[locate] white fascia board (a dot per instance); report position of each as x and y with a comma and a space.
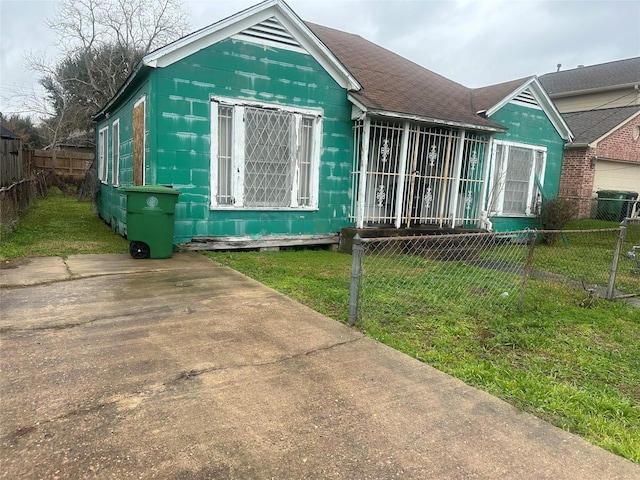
358, 109
594, 144
545, 103
509, 97
551, 110
245, 19
210, 35
436, 121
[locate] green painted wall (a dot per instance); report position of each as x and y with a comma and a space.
178, 137
111, 203
531, 126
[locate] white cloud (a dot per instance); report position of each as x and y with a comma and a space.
475, 43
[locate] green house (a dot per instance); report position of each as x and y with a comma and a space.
525, 162
280, 132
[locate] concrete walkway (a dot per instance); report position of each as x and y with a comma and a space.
184, 369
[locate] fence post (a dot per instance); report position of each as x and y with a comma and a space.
616, 258
356, 274
527, 267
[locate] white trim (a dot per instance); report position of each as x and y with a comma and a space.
213, 156
238, 154
244, 20
362, 180
495, 208
103, 155
594, 144
402, 172
314, 112
420, 118
544, 102
115, 147
457, 168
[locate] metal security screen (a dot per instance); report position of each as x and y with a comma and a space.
304, 162
264, 156
514, 186
418, 174
225, 142
268, 158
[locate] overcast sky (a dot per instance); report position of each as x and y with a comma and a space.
475, 43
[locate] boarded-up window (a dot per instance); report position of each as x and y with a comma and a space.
138, 144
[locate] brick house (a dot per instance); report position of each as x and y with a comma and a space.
601, 105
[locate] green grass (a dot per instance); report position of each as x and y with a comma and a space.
60, 225
575, 367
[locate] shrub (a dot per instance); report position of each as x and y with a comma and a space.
554, 215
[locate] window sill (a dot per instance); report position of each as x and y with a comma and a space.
263, 209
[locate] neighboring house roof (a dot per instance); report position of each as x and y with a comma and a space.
393, 85
6, 133
603, 76
527, 91
590, 126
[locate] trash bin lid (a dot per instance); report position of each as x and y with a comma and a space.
161, 189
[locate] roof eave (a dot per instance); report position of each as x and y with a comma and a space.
585, 91
425, 119
543, 99
239, 22
104, 110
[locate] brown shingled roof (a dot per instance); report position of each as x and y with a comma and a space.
391, 83
486, 97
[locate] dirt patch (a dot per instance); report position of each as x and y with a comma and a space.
14, 262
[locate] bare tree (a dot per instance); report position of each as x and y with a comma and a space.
101, 42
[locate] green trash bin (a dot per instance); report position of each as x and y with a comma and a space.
150, 217
611, 205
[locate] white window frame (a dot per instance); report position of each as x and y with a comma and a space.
498, 179
238, 154
115, 153
103, 154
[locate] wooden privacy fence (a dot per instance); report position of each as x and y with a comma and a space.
13, 167
65, 163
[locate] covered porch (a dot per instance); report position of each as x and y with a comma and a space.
418, 175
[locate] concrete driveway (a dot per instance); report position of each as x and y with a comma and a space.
184, 369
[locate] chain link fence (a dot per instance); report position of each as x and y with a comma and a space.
476, 272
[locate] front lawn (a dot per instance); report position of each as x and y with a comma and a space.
576, 367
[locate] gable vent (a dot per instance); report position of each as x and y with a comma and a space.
269, 32
526, 98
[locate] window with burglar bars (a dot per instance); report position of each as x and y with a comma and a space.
517, 171
264, 157
433, 176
